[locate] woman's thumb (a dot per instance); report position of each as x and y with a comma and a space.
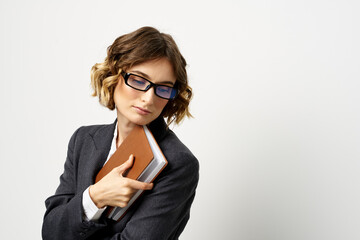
123, 168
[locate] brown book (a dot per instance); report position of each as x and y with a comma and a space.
149, 161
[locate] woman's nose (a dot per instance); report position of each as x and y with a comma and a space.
148, 96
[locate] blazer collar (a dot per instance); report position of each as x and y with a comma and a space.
158, 128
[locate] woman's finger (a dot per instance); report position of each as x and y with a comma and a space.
140, 185
126, 165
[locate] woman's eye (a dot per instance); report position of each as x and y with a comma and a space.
137, 81
164, 89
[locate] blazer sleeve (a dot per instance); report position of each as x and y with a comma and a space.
64, 213
164, 211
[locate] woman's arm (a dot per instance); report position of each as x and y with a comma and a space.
163, 212
64, 213
65, 217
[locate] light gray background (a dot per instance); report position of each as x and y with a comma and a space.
276, 106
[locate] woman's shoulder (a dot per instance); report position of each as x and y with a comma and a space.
98, 131
177, 152
93, 129
183, 166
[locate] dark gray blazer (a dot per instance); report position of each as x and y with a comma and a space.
160, 213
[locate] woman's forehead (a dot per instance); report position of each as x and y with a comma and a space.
158, 70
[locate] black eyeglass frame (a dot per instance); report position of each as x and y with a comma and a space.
126, 76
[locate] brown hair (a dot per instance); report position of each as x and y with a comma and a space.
137, 47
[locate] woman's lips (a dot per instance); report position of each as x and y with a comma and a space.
142, 111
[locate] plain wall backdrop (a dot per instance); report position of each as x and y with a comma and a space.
276, 107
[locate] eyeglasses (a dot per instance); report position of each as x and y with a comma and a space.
142, 84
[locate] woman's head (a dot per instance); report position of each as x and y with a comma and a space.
143, 45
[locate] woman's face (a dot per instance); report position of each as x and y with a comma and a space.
141, 108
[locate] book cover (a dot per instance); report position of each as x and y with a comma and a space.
149, 161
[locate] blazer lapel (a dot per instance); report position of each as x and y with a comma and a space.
101, 139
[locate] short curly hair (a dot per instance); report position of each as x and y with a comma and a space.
142, 45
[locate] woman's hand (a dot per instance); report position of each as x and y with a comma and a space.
116, 190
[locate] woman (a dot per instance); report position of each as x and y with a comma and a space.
144, 78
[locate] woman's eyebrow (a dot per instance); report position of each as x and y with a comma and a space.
167, 82
141, 73
147, 77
